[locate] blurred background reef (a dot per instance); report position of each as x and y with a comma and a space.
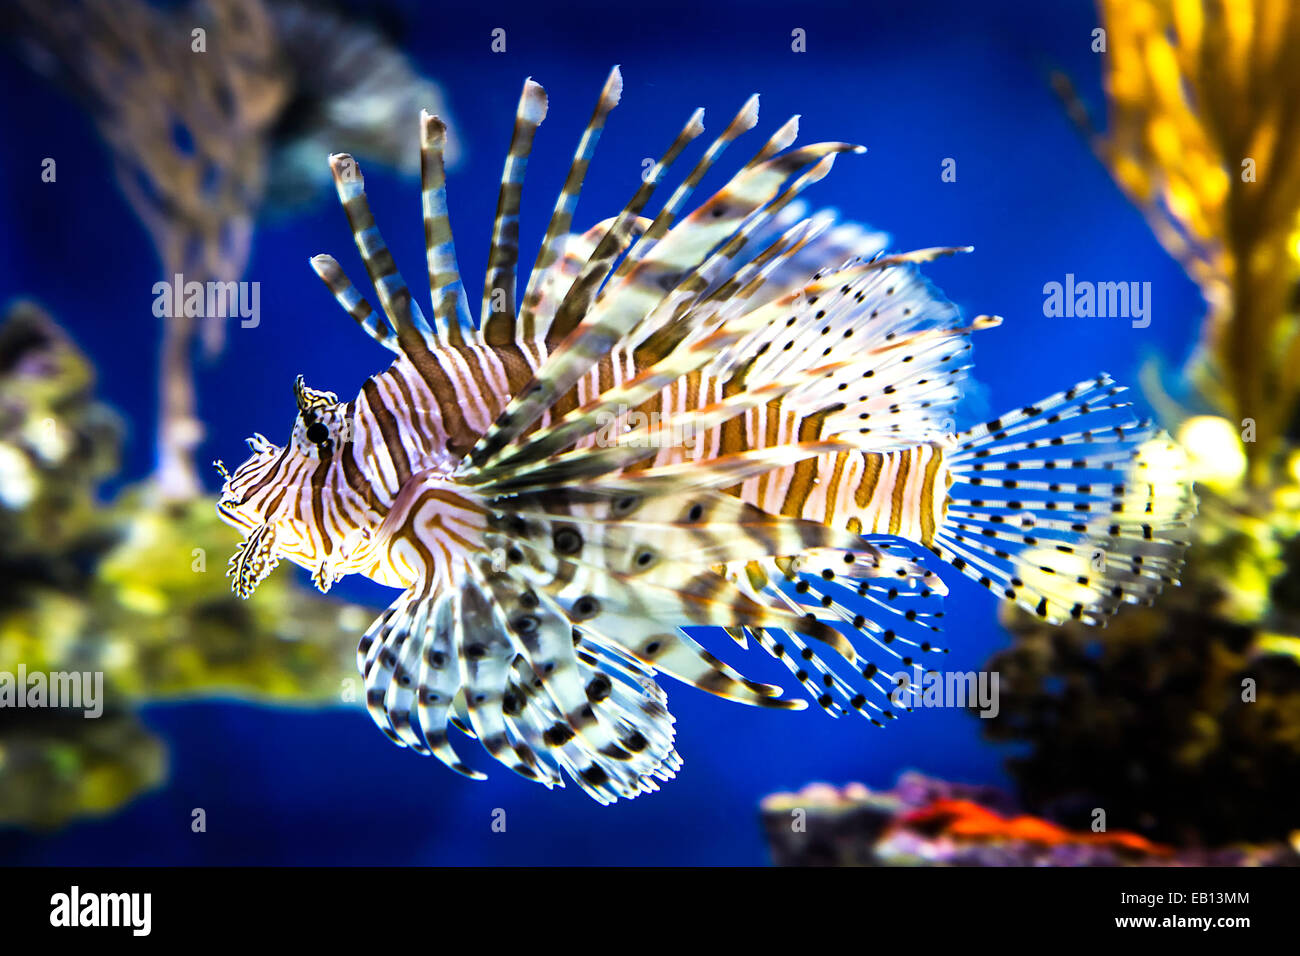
135, 587
1180, 721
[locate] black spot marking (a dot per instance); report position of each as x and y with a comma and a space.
599, 688
567, 541
625, 506
585, 607
558, 735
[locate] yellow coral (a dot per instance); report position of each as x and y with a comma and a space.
1215, 452
1203, 97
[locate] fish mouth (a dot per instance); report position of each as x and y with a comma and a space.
226, 509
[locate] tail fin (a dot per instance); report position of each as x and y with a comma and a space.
1068, 521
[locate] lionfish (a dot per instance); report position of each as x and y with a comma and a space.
736, 418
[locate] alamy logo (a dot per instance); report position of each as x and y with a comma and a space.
633, 428
74, 690
209, 300
922, 688
74, 908
1086, 300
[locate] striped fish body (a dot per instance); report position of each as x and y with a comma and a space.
407, 424
737, 417
901, 492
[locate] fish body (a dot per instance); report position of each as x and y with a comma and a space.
737, 417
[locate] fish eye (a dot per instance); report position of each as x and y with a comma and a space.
317, 432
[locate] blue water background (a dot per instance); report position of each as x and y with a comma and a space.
915, 82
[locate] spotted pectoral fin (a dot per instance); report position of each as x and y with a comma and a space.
568, 710
409, 662
533, 699
253, 560
635, 708
630, 570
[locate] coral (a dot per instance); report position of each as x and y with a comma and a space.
56, 766
927, 822
56, 444
134, 589
1182, 720
205, 108
1202, 99
164, 585
124, 589
1152, 719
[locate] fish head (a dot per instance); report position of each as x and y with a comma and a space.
269, 498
